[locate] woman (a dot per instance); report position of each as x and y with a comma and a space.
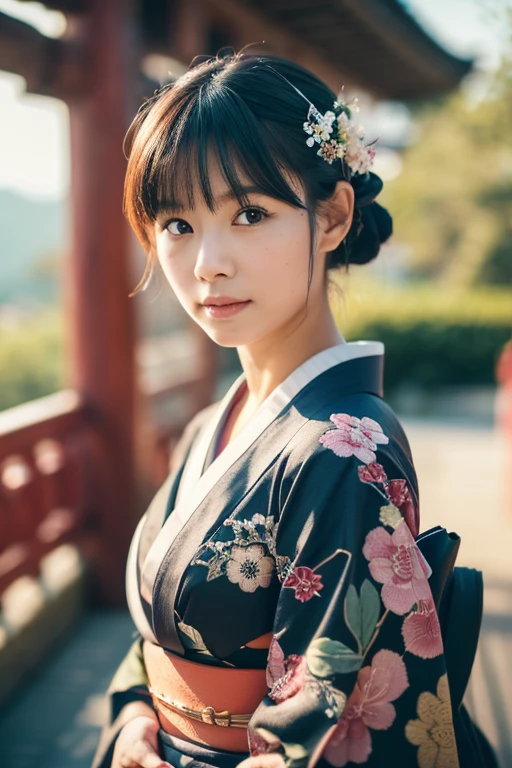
283, 608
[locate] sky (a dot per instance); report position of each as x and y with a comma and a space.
34, 137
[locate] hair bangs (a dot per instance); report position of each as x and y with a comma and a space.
215, 126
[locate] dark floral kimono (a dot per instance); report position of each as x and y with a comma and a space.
302, 527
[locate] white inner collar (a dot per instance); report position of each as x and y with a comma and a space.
195, 484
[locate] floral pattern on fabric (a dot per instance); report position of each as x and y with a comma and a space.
369, 707
395, 491
422, 632
249, 567
392, 582
395, 562
353, 436
433, 731
287, 676
248, 559
396, 565
261, 741
312, 484
394, 558
305, 582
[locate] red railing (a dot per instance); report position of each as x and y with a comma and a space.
54, 487
44, 468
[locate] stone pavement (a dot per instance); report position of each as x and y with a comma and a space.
461, 472
65, 705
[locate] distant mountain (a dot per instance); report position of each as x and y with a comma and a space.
33, 237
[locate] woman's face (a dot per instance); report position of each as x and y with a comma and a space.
258, 255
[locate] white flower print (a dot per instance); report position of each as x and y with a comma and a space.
249, 567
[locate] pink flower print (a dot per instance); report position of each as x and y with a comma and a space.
398, 494
369, 706
370, 428
261, 741
285, 677
351, 742
353, 436
395, 561
305, 582
275, 665
422, 632
372, 473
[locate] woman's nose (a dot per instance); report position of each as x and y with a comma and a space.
213, 260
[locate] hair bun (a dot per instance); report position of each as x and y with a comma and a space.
372, 224
366, 188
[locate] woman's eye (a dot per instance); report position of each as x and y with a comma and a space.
252, 215
178, 227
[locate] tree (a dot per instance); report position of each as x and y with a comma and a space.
453, 201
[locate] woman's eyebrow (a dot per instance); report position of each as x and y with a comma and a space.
167, 207
230, 195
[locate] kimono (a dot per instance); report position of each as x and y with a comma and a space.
302, 527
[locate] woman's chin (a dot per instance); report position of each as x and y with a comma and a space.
225, 338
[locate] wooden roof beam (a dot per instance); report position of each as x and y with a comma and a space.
51, 67
405, 39
270, 37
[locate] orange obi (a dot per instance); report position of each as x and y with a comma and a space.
207, 704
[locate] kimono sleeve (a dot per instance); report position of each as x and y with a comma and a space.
130, 683
356, 651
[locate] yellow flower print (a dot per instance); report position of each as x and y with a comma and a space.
433, 733
390, 515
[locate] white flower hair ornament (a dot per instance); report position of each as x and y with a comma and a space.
339, 136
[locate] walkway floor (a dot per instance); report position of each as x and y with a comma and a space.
461, 472
465, 482
65, 706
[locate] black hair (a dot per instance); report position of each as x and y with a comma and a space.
240, 106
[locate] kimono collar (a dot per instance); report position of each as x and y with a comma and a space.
332, 356
312, 380
318, 364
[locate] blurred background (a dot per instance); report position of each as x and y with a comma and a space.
95, 388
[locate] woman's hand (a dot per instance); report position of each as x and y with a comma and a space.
137, 745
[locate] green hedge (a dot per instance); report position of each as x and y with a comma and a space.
432, 338
31, 359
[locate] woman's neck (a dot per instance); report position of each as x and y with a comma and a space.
268, 365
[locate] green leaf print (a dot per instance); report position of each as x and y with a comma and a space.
326, 657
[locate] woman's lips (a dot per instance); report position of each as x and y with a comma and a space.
219, 311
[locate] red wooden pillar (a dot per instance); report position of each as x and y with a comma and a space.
208, 369
188, 31
504, 411
101, 316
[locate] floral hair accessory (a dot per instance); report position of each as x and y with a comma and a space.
336, 133
339, 136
